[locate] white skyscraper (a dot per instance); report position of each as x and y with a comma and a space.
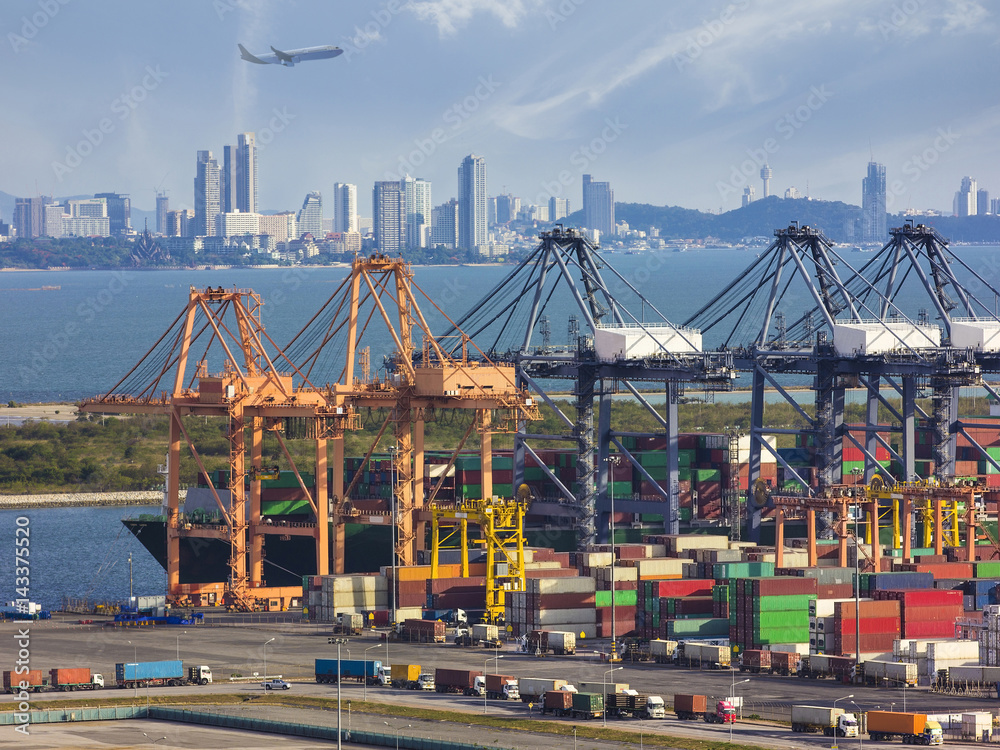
311, 216
965, 198
345, 207
207, 196
472, 230
417, 200
246, 173
389, 216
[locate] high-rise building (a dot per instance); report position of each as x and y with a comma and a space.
207, 197
162, 206
345, 207
765, 176
558, 208
180, 223
472, 229
444, 224
983, 202
119, 213
246, 173
965, 198
228, 180
507, 208
310, 219
417, 207
389, 214
280, 226
748, 195
236, 224
598, 206
54, 220
873, 216
29, 216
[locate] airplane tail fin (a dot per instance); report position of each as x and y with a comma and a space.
244, 54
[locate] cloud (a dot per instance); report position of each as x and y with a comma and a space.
450, 15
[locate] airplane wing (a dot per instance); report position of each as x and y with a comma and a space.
249, 57
283, 56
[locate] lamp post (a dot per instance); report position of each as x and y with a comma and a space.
377, 645
857, 574
835, 710
265, 657
135, 660
613, 461
397, 730
340, 642
861, 742
574, 739
733, 696
496, 669
177, 645
392, 538
605, 696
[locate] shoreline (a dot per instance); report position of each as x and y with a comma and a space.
81, 499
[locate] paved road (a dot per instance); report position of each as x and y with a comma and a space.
241, 650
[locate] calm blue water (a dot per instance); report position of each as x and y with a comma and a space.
78, 552
80, 339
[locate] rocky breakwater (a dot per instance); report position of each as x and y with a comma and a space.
79, 499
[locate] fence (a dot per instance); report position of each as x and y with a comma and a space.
58, 716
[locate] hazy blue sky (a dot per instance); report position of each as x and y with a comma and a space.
673, 102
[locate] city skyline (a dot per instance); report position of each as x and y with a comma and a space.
541, 117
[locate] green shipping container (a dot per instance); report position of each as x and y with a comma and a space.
653, 458
987, 570
503, 490
725, 571
592, 703
782, 635
707, 475
787, 602
622, 598
622, 489
706, 627
684, 514
503, 463
772, 620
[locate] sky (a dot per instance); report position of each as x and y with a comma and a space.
674, 102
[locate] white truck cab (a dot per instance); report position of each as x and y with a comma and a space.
426, 681
655, 708
97, 680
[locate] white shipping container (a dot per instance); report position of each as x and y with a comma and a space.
877, 337
682, 542
664, 566
794, 648
634, 342
977, 725
569, 585
547, 618
662, 648
983, 335
825, 607
596, 559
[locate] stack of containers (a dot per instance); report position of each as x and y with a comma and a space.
624, 613
879, 626
346, 594
770, 611
989, 637
720, 601
649, 596
932, 656
456, 593
962, 570
980, 593
726, 571
821, 624
926, 613
708, 486
561, 604
686, 607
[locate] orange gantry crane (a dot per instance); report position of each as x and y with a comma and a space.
221, 328
420, 383
240, 374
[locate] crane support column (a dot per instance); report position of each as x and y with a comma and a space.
337, 487
672, 518
256, 562
871, 424
322, 511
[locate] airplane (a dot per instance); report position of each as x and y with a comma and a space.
291, 57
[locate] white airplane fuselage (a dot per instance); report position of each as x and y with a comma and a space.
290, 57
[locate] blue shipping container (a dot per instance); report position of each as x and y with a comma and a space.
149, 670
357, 668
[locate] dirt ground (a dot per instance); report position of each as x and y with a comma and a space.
52, 412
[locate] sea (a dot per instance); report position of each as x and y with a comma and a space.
67, 335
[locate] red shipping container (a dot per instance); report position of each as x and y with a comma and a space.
564, 601
682, 587
782, 586
939, 629
932, 614
846, 610
921, 597
869, 625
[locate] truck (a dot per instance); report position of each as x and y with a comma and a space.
348, 623
31, 681
153, 673
725, 713
654, 708
481, 634
833, 722
755, 660
588, 705
913, 729
421, 631
694, 707
79, 678
821, 665
456, 681
556, 641
350, 669
785, 662
558, 702
602, 687
498, 687
663, 652
408, 676
876, 672
706, 655
532, 689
